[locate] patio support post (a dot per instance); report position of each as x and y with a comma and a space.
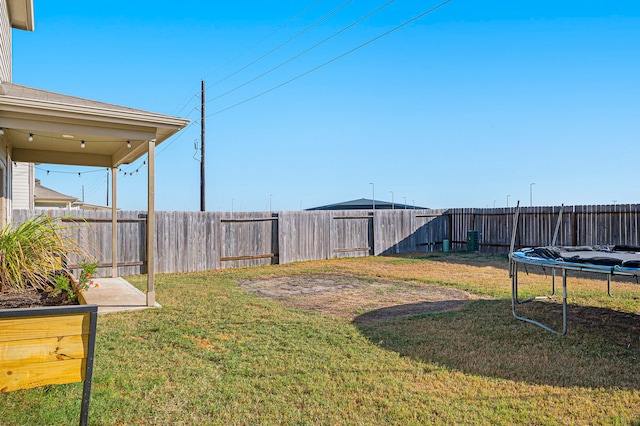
114, 224
151, 226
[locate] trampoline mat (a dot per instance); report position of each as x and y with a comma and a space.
613, 256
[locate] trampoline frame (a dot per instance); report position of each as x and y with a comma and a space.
519, 257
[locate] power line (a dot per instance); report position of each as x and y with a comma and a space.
166, 146
325, 17
190, 98
305, 10
187, 99
368, 15
332, 60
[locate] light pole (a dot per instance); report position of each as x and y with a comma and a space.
405, 202
508, 200
494, 203
270, 195
392, 205
373, 194
232, 207
413, 202
531, 194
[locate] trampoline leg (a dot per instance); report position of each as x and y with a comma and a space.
564, 303
609, 285
515, 301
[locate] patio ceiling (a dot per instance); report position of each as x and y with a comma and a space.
57, 124
45, 127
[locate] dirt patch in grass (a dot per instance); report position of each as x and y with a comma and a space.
355, 298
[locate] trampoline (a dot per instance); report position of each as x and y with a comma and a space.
606, 259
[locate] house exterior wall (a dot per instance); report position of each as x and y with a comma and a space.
5, 185
22, 193
5, 42
5, 75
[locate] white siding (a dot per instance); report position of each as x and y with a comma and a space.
22, 186
5, 75
5, 42
5, 175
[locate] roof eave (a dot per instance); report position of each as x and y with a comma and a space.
21, 14
137, 117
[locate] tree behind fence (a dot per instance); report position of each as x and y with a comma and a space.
199, 241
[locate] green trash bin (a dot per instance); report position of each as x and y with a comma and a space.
446, 246
473, 243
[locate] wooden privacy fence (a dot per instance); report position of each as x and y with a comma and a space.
580, 225
199, 241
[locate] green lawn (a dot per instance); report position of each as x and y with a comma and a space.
216, 355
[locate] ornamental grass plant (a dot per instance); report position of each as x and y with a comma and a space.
33, 252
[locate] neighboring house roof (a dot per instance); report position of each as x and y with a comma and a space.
366, 204
47, 196
43, 195
21, 14
86, 206
57, 124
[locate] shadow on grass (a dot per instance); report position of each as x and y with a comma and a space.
501, 261
600, 350
410, 309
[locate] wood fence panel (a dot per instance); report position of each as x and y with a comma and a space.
303, 236
352, 233
249, 239
432, 229
395, 231
197, 241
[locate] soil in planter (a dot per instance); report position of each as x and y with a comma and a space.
32, 298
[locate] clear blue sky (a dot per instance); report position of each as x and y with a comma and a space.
462, 108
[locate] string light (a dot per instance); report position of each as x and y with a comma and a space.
30, 137
128, 144
83, 172
1, 131
125, 173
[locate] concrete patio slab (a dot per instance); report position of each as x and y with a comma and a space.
115, 295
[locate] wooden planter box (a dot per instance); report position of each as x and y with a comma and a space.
43, 346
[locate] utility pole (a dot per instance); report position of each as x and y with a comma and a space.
202, 130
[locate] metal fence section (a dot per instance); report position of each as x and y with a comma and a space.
200, 241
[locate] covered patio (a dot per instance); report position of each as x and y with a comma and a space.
37, 126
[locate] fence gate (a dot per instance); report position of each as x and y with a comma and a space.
352, 235
249, 241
